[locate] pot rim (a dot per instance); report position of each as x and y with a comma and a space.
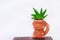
38, 20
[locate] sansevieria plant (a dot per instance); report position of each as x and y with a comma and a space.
41, 27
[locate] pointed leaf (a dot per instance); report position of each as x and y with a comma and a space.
33, 14
36, 11
43, 13
45, 16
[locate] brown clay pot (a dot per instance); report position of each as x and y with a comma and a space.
41, 28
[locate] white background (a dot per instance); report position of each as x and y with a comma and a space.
15, 17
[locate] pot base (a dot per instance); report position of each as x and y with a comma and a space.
39, 37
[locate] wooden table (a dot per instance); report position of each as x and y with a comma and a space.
31, 38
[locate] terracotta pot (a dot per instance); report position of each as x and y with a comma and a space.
41, 28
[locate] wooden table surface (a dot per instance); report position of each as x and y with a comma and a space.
31, 38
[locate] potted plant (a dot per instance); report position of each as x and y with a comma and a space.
41, 27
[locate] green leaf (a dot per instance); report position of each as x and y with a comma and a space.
43, 13
45, 16
33, 14
36, 11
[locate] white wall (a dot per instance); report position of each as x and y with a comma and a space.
15, 17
